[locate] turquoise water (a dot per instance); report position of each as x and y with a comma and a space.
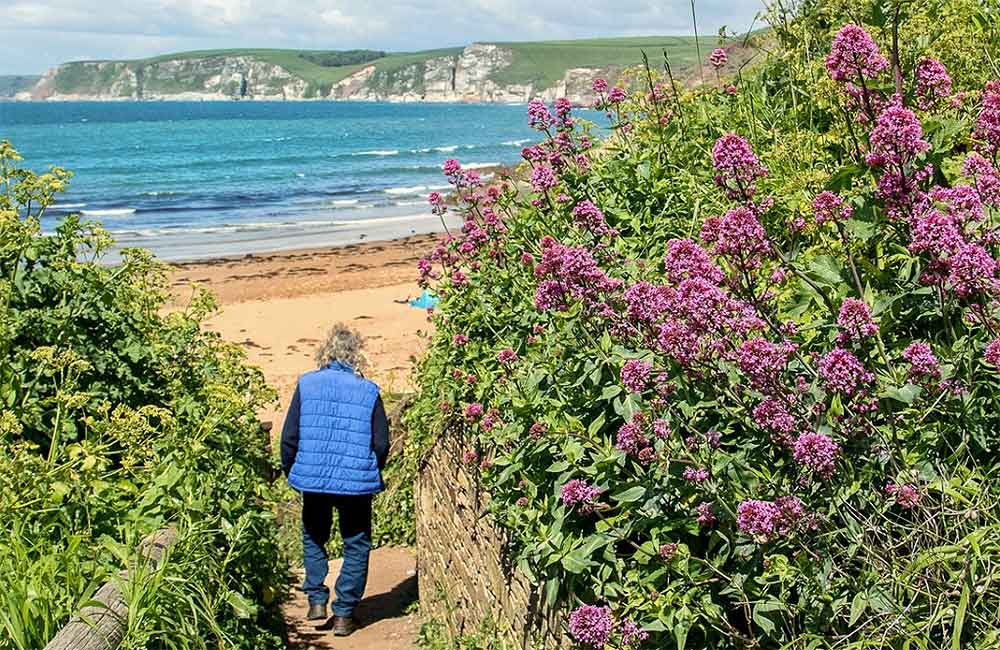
198, 179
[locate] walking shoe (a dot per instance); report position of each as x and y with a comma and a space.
344, 625
316, 613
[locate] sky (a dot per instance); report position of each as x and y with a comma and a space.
36, 35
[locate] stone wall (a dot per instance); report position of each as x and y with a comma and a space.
465, 581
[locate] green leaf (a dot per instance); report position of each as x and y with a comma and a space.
906, 394
630, 495
759, 615
558, 467
858, 606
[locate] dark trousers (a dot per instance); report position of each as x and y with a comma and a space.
355, 516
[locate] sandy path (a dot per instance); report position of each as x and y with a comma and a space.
386, 625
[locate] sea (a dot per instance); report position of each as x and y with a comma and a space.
195, 180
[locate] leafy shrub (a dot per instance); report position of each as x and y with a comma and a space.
117, 418
781, 435
338, 58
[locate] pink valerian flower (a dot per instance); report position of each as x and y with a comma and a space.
686, 259
763, 362
470, 457
988, 123
773, 416
897, 137
537, 429
588, 216
936, 233
600, 86
962, 202
856, 320
591, 625
616, 95
718, 58
661, 429
507, 356
630, 439
539, 116
490, 420
923, 362
695, 474
906, 496
766, 521
473, 411
737, 167
932, 82
828, 206
817, 452
569, 273
854, 56
580, 495
635, 375
992, 354
522, 502
667, 551
901, 193
452, 169
985, 178
632, 635
543, 178
706, 514
459, 340
973, 270
841, 372
739, 237
646, 302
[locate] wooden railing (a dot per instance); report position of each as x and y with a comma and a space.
101, 624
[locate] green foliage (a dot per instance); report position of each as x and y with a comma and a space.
434, 636
119, 417
337, 58
861, 570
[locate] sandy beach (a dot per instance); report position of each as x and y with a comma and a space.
278, 306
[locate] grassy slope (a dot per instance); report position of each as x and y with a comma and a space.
545, 62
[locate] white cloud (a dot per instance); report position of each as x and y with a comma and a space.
36, 35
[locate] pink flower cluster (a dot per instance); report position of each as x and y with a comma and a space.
766, 521
718, 58
580, 495
739, 237
539, 116
992, 354
818, 452
988, 123
591, 625
773, 416
763, 362
686, 259
856, 320
737, 166
854, 56
829, 207
843, 373
932, 83
906, 496
568, 273
632, 635
635, 375
589, 217
897, 137
985, 178
923, 362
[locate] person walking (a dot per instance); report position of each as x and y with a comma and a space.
334, 445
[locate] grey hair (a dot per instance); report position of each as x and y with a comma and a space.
343, 344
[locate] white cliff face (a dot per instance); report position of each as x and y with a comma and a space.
466, 77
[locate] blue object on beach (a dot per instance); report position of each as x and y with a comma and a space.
427, 300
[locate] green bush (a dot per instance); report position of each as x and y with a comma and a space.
781, 436
119, 417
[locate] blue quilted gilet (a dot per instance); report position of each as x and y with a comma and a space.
335, 434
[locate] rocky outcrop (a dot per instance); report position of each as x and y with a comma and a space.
219, 77
472, 75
